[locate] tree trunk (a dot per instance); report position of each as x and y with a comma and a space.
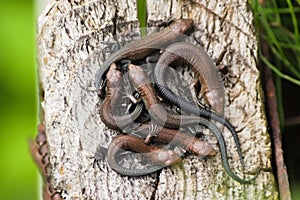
73, 37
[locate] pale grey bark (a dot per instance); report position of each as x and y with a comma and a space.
71, 38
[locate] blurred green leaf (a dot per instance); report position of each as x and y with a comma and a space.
18, 99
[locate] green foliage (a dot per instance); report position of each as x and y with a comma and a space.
279, 27
142, 15
141, 6
278, 22
18, 99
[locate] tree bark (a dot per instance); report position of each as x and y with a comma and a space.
73, 37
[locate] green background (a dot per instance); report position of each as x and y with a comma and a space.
18, 100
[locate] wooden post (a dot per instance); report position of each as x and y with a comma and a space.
72, 38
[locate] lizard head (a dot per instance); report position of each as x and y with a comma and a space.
137, 75
114, 76
182, 25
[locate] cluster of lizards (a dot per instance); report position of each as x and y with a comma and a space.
163, 127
